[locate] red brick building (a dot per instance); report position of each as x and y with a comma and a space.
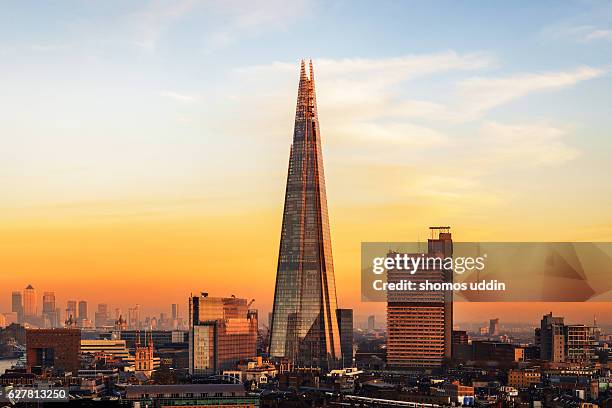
53, 348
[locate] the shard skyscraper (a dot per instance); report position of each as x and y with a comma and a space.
304, 323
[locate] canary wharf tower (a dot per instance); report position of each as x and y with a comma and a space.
304, 323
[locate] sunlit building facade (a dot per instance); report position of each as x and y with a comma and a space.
304, 324
420, 323
30, 305
82, 316
49, 310
71, 309
222, 331
580, 343
53, 348
551, 338
17, 305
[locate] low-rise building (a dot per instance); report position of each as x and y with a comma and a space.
191, 395
463, 394
523, 378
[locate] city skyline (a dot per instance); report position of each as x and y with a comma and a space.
428, 224
144, 145
530, 313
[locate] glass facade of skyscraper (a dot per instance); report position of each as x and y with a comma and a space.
304, 323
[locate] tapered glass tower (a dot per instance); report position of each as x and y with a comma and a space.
304, 323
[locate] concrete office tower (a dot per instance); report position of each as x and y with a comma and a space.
580, 343
17, 305
222, 331
552, 338
420, 323
304, 323
494, 327
30, 306
49, 309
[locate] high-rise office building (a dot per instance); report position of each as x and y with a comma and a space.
494, 327
580, 343
30, 305
49, 309
57, 317
552, 338
17, 305
565, 343
304, 324
222, 331
102, 315
82, 316
176, 320
134, 317
420, 323
345, 325
371, 322
71, 309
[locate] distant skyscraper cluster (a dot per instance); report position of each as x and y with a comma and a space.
25, 309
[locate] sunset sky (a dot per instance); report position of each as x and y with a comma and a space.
145, 145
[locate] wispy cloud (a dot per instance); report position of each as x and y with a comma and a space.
387, 69
470, 99
239, 18
599, 35
528, 144
223, 22
364, 90
481, 94
371, 89
179, 96
580, 33
368, 116
150, 22
48, 47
